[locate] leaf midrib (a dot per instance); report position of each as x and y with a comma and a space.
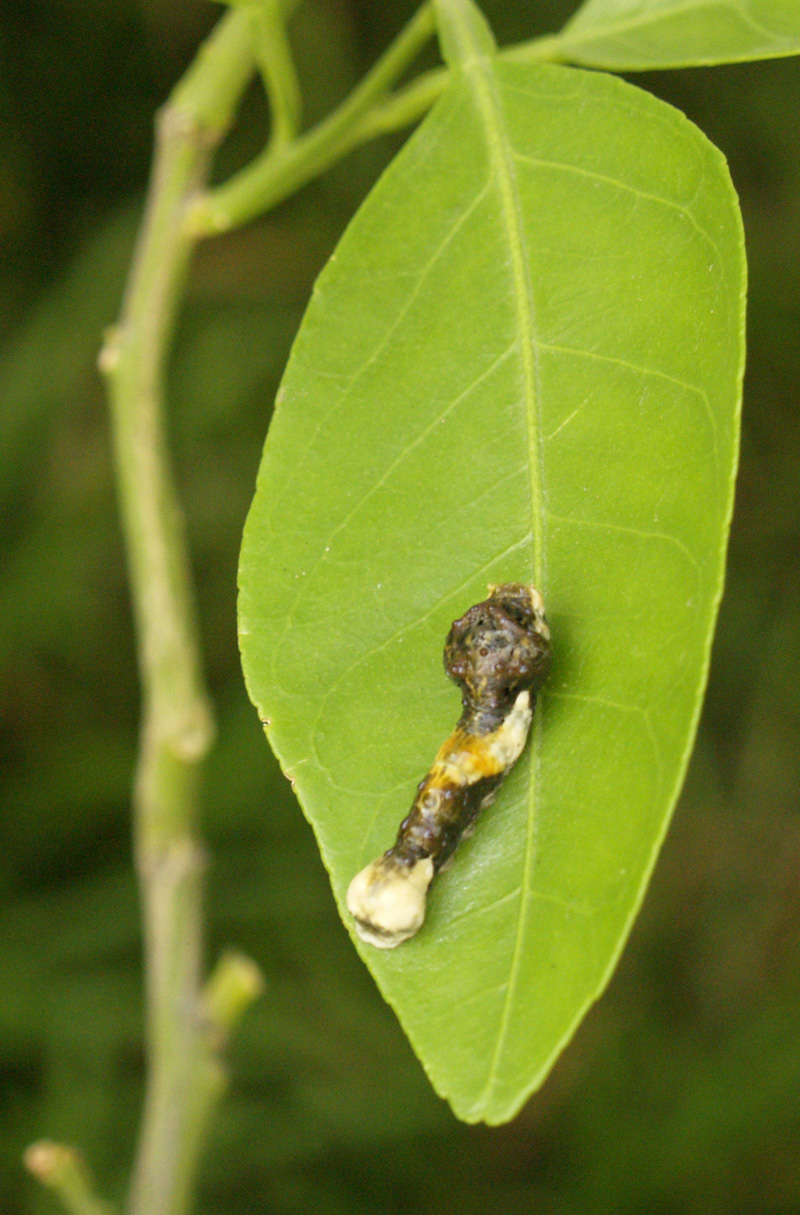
480, 77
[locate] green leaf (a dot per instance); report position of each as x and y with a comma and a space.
523, 363
634, 35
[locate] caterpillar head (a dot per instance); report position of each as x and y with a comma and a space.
500, 647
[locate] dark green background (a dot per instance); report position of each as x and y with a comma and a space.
681, 1092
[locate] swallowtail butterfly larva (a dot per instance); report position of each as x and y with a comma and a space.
499, 654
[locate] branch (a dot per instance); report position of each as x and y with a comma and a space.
184, 1072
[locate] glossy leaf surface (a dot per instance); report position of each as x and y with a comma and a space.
522, 363
631, 35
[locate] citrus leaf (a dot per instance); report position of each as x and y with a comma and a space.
523, 363
634, 35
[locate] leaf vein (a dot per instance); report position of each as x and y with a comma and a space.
350, 381
592, 174
410, 447
667, 537
489, 106
278, 507
603, 701
641, 370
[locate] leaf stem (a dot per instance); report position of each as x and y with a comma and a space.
273, 55
282, 170
550, 48
184, 1074
401, 108
407, 105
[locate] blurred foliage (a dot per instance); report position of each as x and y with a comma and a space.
681, 1091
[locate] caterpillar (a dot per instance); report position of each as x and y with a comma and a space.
499, 654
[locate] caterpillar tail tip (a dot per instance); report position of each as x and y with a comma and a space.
387, 901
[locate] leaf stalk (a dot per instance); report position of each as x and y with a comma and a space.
282, 170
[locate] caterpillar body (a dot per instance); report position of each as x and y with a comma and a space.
499, 654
